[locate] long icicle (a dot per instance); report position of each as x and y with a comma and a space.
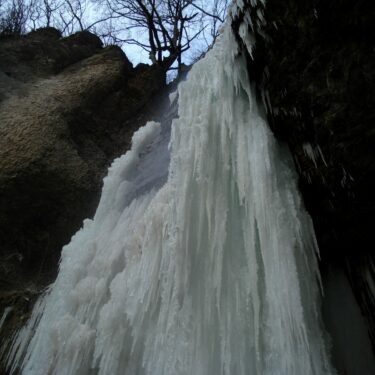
213, 273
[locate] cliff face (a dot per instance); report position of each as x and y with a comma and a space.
68, 107
314, 63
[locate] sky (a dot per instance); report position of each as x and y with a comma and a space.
138, 55
89, 11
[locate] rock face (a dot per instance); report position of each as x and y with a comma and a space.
314, 63
68, 107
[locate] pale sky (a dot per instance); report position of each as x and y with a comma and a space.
137, 55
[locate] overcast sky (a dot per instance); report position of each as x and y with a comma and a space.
138, 55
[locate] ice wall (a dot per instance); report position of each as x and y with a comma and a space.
205, 268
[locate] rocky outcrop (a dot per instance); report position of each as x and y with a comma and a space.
44, 52
68, 107
313, 63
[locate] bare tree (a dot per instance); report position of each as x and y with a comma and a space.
25, 15
66, 15
163, 28
13, 17
168, 26
43, 13
216, 16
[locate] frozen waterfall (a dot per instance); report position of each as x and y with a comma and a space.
200, 260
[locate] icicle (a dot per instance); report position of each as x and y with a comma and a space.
7, 310
211, 270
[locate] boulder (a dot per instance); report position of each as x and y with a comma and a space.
68, 107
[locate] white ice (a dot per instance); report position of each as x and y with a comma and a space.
209, 269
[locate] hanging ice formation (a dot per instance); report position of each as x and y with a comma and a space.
204, 267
